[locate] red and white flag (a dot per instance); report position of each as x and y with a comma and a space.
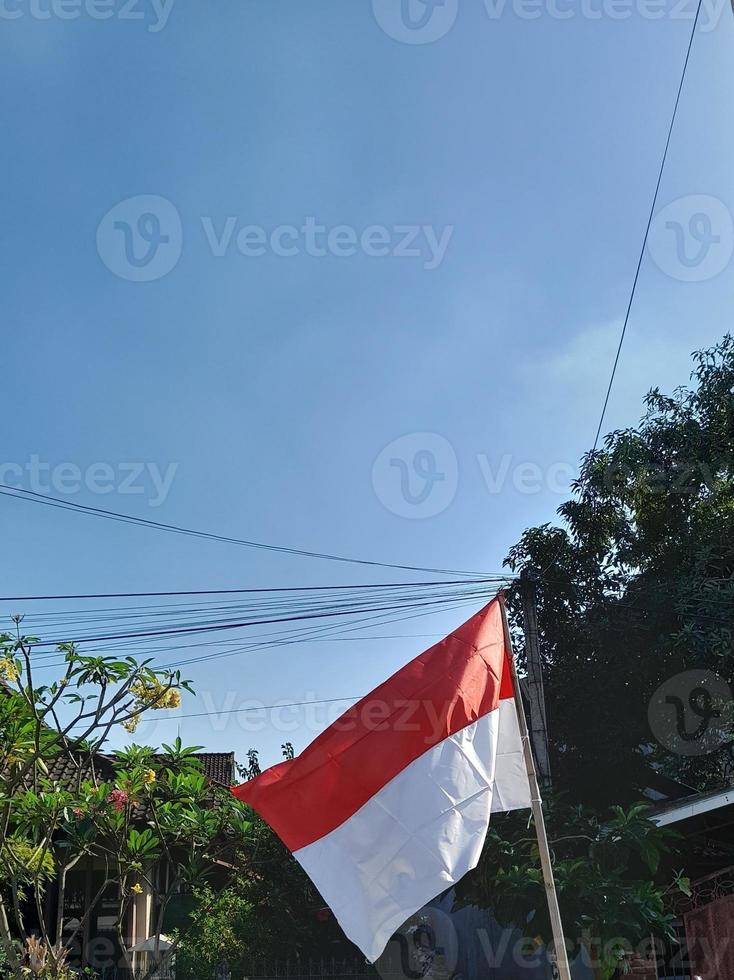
390, 805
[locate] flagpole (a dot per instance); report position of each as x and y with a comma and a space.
561, 953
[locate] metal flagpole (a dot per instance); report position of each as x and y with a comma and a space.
561, 953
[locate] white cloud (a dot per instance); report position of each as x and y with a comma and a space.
577, 374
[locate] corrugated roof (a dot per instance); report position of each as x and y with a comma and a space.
693, 806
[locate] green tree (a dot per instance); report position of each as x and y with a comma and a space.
153, 809
637, 585
220, 925
269, 909
611, 877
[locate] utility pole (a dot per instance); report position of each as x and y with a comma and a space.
559, 953
534, 686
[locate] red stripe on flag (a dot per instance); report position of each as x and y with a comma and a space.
443, 690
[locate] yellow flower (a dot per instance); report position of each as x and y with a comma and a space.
173, 699
137, 889
9, 669
155, 694
148, 777
131, 723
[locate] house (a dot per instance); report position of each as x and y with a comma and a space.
97, 944
705, 918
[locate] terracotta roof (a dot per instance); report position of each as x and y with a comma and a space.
63, 769
216, 766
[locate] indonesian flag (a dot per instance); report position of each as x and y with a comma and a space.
390, 805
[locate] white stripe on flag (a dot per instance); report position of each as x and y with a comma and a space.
421, 831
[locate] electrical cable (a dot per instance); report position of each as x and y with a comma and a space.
490, 577
302, 634
198, 618
228, 626
647, 231
33, 496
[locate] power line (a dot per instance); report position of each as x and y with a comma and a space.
317, 634
68, 621
493, 577
303, 634
307, 600
32, 496
260, 707
173, 615
647, 232
146, 634
304, 639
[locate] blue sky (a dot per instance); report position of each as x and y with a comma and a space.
267, 385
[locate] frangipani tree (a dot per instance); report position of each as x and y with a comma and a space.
127, 811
